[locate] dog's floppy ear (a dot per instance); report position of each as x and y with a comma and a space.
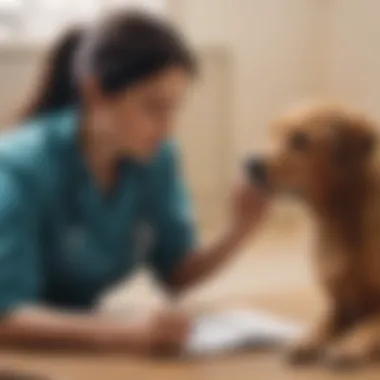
354, 140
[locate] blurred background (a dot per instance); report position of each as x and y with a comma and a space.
257, 57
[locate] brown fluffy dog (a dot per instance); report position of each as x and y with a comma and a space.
326, 155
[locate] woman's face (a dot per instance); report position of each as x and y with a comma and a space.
140, 118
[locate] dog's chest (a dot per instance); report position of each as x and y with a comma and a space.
351, 275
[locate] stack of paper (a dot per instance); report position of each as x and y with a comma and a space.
223, 332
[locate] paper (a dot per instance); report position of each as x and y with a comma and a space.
223, 332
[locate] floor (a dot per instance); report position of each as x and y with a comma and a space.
271, 273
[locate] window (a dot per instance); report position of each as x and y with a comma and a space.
42, 19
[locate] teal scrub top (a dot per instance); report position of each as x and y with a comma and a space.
63, 241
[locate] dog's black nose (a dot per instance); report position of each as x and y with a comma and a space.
256, 170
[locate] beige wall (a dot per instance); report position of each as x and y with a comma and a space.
258, 56
353, 53
284, 50
275, 51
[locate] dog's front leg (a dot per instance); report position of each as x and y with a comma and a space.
311, 347
358, 346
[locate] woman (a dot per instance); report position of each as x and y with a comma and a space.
89, 163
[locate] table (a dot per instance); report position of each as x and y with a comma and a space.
244, 366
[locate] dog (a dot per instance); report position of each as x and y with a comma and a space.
327, 156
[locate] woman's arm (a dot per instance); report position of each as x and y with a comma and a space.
22, 281
248, 208
174, 257
40, 328
200, 264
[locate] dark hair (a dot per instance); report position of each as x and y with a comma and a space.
123, 49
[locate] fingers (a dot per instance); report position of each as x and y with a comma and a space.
168, 332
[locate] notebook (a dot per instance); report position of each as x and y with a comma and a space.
227, 331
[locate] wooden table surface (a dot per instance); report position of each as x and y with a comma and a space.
273, 277
244, 366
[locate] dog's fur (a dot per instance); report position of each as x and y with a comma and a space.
327, 155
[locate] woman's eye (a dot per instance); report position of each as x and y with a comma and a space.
299, 141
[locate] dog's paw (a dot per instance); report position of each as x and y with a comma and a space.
304, 353
346, 356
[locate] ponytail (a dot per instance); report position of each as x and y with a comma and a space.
119, 51
57, 88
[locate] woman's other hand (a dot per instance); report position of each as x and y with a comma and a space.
249, 203
164, 332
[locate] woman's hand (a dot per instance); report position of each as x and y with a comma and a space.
165, 332
248, 205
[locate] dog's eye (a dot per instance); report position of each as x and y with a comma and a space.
299, 141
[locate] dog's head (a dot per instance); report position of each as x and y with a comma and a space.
315, 148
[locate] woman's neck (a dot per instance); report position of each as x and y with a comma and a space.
100, 155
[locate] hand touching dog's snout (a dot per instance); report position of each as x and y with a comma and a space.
256, 171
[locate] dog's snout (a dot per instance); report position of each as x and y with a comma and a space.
256, 169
